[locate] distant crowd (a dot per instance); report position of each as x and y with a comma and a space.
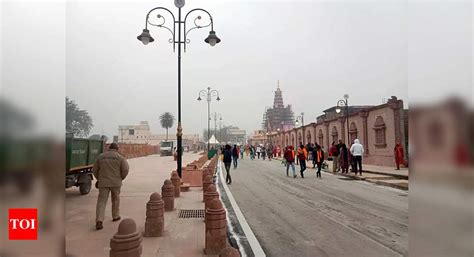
343, 158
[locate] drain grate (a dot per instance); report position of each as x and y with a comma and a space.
191, 214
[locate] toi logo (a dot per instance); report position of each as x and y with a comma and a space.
22, 224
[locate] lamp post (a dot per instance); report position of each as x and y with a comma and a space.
341, 103
220, 129
208, 94
298, 118
160, 22
215, 122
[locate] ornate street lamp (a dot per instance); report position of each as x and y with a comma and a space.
159, 21
208, 94
344, 103
298, 118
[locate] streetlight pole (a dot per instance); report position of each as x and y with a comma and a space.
344, 103
301, 117
208, 94
160, 22
215, 122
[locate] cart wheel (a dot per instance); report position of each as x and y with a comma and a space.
85, 188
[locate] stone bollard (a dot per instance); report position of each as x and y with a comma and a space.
210, 195
229, 251
127, 241
155, 218
207, 182
176, 180
167, 192
205, 173
216, 228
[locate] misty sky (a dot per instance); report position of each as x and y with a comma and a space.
319, 50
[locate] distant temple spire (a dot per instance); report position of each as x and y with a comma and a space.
278, 117
278, 100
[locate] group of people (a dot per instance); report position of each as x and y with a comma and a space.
341, 156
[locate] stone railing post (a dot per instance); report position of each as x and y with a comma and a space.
216, 228
127, 242
167, 192
155, 218
176, 180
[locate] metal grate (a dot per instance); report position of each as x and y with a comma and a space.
191, 214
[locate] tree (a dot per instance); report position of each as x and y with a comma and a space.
78, 122
166, 120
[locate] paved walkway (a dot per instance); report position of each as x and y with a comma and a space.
182, 237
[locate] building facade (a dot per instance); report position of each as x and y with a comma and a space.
378, 128
141, 134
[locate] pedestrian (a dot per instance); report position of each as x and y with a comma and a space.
339, 145
334, 153
310, 151
343, 158
279, 151
302, 155
109, 169
289, 156
235, 155
252, 152
227, 162
264, 152
270, 152
241, 152
319, 158
259, 150
399, 155
313, 155
357, 150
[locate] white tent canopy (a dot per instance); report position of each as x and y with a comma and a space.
213, 140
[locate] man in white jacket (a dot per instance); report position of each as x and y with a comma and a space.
357, 150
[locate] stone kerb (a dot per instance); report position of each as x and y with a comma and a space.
155, 219
229, 251
167, 193
216, 228
127, 241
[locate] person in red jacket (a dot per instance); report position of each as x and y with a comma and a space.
399, 155
289, 156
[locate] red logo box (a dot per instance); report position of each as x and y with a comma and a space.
23, 224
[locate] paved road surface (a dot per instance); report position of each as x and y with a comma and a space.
333, 216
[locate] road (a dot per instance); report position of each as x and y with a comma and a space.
333, 216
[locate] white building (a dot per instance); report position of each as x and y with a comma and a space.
141, 134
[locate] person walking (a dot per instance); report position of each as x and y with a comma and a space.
399, 155
302, 155
264, 152
279, 151
357, 150
344, 158
227, 162
241, 152
319, 158
289, 156
252, 152
270, 152
313, 154
110, 169
259, 150
334, 153
235, 155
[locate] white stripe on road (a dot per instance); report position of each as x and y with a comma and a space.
253, 242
